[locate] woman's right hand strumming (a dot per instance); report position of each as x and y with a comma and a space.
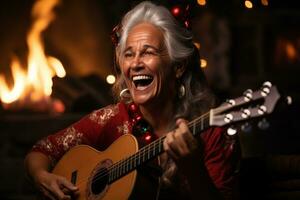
54, 187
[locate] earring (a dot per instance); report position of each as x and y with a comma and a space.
181, 92
125, 95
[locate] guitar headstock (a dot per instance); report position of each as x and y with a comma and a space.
252, 104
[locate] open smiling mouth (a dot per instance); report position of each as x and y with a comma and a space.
141, 82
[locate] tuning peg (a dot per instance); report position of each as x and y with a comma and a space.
231, 102
263, 124
267, 84
228, 118
231, 131
262, 109
245, 113
266, 88
246, 127
289, 100
248, 95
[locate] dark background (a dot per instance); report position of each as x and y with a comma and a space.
243, 48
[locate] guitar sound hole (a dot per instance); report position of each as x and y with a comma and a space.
99, 181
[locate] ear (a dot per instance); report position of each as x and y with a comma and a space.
179, 70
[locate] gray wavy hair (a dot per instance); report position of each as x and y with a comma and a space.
181, 50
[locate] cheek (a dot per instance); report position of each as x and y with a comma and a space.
124, 67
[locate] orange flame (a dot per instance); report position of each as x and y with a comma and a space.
35, 85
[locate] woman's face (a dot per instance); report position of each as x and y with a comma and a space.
146, 65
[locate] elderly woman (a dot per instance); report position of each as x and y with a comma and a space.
160, 83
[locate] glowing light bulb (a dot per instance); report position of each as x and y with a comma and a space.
265, 2
197, 44
248, 4
201, 2
110, 79
176, 11
203, 63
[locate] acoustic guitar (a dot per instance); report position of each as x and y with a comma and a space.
112, 174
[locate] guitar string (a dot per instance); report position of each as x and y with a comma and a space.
142, 152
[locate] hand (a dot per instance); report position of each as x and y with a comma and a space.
55, 187
182, 146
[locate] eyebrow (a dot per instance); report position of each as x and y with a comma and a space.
146, 46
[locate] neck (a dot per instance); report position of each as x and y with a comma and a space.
160, 117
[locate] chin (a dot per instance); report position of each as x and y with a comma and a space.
141, 100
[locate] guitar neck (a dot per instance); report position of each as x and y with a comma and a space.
150, 151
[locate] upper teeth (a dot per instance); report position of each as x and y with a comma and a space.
141, 77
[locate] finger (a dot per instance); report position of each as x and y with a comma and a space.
76, 194
47, 195
54, 189
180, 121
179, 145
186, 136
189, 139
67, 184
167, 148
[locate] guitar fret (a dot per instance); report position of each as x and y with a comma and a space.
148, 151
134, 162
194, 128
112, 173
159, 146
115, 173
123, 168
117, 169
139, 161
109, 176
153, 152
130, 160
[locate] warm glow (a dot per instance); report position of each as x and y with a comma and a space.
9, 95
35, 85
176, 11
291, 51
197, 45
201, 2
148, 137
265, 2
110, 79
248, 4
203, 63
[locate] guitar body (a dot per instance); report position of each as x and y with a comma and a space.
82, 165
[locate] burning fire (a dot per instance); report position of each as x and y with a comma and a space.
34, 86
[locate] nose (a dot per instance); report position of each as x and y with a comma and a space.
137, 63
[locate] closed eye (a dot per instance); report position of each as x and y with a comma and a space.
128, 54
149, 52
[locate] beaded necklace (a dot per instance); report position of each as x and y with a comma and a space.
140, 127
